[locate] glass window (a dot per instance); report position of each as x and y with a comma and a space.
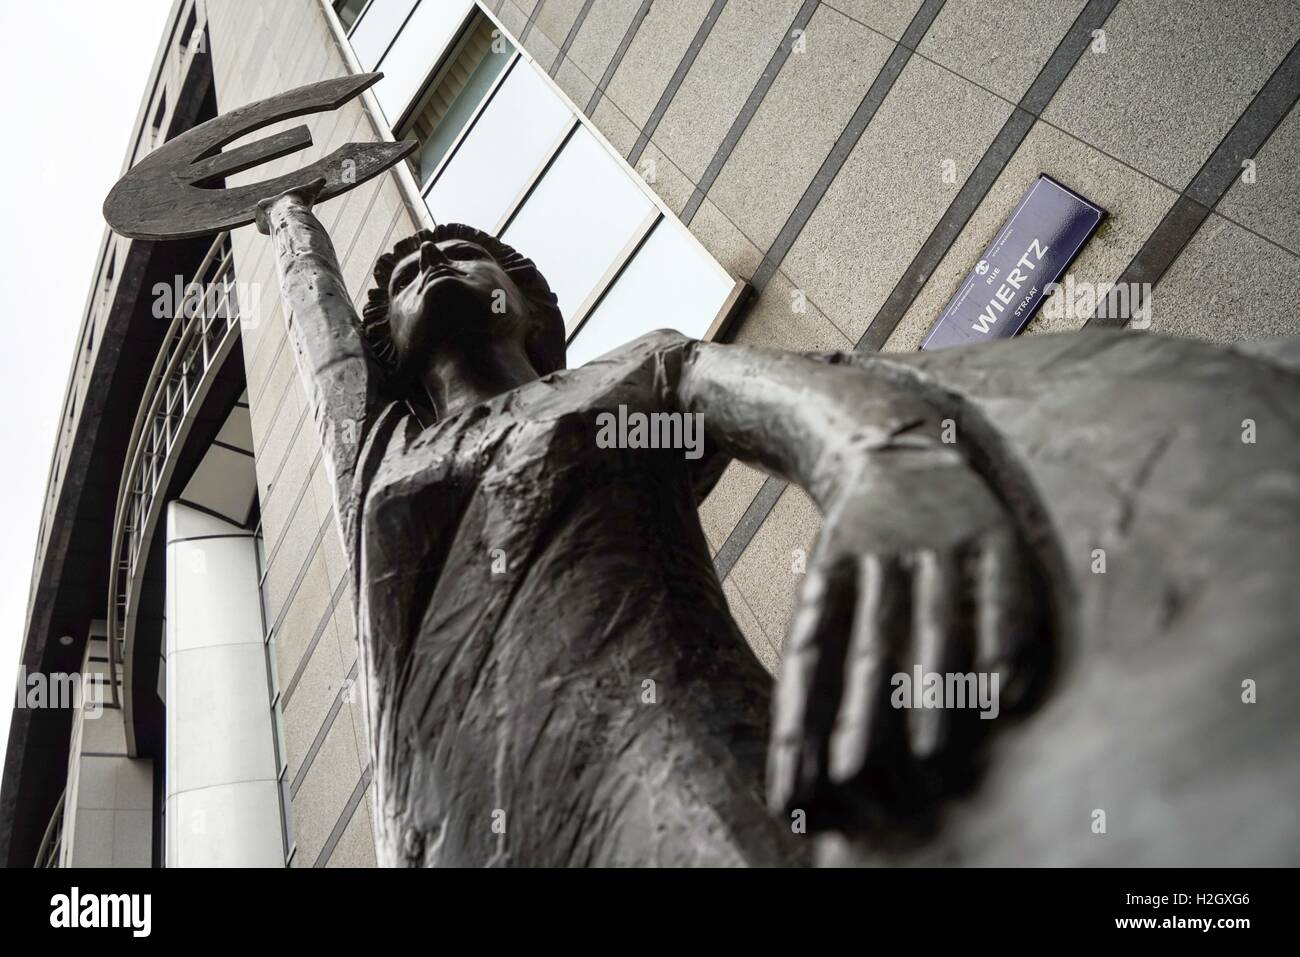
187, 33
512, 138
416, 52
451, 99
579, 219
500, 150
376, 29
159, 117
671, 283
348, 11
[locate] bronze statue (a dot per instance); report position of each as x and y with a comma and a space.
517, 584
553, 676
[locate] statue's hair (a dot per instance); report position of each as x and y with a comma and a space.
544, 342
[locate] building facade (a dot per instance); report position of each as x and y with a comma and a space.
815, 175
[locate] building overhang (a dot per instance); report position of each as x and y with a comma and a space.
71, 565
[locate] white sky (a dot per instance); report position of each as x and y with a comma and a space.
72, 74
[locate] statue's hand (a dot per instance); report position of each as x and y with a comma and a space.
302, 197
918, 563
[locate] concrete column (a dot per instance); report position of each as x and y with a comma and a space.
223, 804
108, 805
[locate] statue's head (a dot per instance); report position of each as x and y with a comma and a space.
455, 289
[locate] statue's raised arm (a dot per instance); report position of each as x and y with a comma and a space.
178, 190
333, 363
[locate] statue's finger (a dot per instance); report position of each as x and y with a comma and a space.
1012, 637
942, 645
807, 693
866, 724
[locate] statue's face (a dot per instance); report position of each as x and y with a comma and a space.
450, 290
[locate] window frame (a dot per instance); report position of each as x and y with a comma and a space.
348, 31
403, 120
732, 303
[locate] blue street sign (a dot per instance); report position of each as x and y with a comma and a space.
1033, 248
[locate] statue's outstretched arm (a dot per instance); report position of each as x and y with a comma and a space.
322, 327
918, 563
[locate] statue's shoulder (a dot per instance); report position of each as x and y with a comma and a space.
651, 354
634, 370
638, 350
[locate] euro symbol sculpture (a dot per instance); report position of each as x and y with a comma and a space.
171, 193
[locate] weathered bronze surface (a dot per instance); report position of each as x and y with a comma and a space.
552, 673
518, 584
169, 194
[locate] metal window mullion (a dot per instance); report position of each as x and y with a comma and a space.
389, 49
444, 57
538, 175
615, 270
364, 10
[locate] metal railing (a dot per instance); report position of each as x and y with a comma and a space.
203, 330
52, 842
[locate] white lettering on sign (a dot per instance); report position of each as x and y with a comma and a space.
1006, 292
